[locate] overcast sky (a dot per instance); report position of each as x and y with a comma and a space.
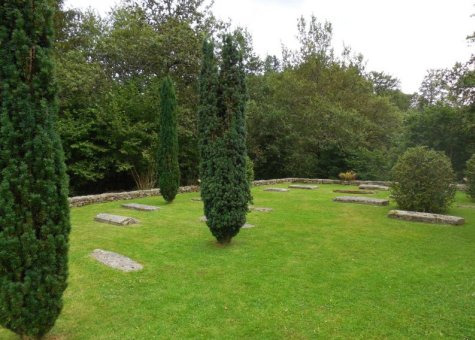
401, 37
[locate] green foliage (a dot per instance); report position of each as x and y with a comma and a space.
444, 128
224, 186
249, 170
470, 176
34, 210
423, 181
168, 168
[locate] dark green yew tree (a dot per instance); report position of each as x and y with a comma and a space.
34, 211
224, 186
168, 167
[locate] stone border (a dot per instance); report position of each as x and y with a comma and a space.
80, 201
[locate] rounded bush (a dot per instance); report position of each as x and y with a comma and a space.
423, 181
470, 176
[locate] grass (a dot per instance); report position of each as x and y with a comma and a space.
311, 268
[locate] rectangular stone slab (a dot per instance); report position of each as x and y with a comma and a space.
304, 187
260, 209
373, 187
141, 207
115, 219
276, 189
116, 261
361, 200
196, 199
414, 216
362, 192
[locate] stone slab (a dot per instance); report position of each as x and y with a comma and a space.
362, 192
115, 219
414, 216
373, 187
361, 200
304, 187
116, 261
260, 209
277, 189
466, 206
197, 199
141, 207
203, 219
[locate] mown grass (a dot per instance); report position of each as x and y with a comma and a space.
311, 268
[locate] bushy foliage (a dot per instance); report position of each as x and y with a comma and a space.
34, 210
249, 170
224, 186
347, 176
470, 176
444, 128
168, 168
423, 181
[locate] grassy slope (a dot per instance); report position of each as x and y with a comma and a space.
310, 268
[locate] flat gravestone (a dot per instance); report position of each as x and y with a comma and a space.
276, 189
203, 219
373, 187
466, 206
197, 199
141, 207
260, 209
361, 200
304, 187
362, 192
414, 216
115, 219
116, 261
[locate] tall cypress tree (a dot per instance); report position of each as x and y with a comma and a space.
224, 186
34, 210
168, 167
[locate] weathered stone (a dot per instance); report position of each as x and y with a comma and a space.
276, 189
414, 216
196, 199
115, 219
203, 219
141, 207
260, 209
466, 206
80, 201
373, 187
116, 261
304, 187
362, 192
361, 200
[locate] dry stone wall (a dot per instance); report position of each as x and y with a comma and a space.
80, 201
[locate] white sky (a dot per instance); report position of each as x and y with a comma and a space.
401, 37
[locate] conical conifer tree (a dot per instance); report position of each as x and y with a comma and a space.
224, 186
34, 210
168, 168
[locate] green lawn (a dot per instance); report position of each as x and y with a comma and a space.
311, 268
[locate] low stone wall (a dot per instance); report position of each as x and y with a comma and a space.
316, 181
80, 201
